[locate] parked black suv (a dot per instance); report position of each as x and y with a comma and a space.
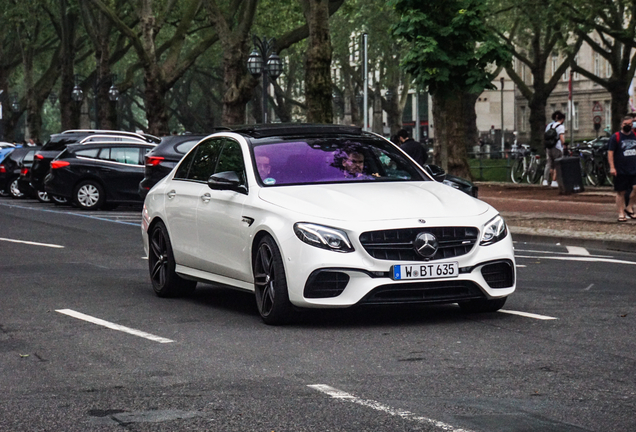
10, 170
58, 142
164, 157
96, 174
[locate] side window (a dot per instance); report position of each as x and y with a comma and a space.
184, 167
90, 153
104, 153
231, 159
185, 147
125, 155
29, 156
205, 160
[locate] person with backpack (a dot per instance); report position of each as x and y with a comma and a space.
621, 155
554, 140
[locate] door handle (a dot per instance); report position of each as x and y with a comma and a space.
206, 197
171, 194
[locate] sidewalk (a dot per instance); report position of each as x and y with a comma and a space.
538, 213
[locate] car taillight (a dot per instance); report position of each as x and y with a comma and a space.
154, 160
24, 171
2, 169
59, 164
39, 156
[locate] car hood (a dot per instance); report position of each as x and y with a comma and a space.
375, 201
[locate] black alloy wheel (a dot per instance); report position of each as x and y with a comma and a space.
270, 284
89, 195
482, 305
161, 264
14, 189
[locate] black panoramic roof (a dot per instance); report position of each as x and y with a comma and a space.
294, 129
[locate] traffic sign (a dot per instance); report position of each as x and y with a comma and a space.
598, 108
597, 120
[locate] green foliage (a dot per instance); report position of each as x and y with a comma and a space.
451, 49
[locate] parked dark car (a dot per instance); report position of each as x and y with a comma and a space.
10, 170
58, 142
98, 175
164, 157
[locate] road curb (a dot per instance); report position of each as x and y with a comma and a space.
572, 238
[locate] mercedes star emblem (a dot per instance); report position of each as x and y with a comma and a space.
425, 244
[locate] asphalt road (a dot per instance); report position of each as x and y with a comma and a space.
560, 357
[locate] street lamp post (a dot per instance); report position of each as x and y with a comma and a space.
264, 61
502, 117
113, 93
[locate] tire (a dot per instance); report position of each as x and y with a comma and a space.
161, 265
58, 200
5, 192
270, 284
516, 172
43, 197
89, 195
14, 190
588, 172
483, 305
534, 173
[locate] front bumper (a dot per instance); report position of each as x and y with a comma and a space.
347, 279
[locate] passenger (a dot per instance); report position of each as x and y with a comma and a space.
350, 159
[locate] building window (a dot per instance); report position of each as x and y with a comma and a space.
552, 109
597, 64
523, 119
575, 76
555, 60
575, 117
608, 113
564, 110
608, 69
523, 72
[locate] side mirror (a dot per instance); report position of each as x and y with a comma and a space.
438, 174
227, 180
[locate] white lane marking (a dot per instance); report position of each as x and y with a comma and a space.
584, 259
32, 243
576, 250
559, 253
407, 415
588, 288
72, 214
520, 265
527, 315
113, 326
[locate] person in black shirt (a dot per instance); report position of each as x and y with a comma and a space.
621, 155
412, 148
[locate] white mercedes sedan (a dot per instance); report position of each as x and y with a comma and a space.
322, 216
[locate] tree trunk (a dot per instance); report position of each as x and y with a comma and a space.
378, 127
455, 129
318, 62
238, 85
620, 101
538, 120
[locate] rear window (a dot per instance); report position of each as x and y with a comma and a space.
185, 146
58, 143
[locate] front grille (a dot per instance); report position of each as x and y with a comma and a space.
499, 274
397, 244
324, 284
424, 292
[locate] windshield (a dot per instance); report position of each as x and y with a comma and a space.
331, 160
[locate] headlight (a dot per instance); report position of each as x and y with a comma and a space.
323, 237
494, 231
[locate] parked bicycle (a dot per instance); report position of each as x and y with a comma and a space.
596, 168
527, 166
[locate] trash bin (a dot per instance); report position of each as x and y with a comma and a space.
569, 175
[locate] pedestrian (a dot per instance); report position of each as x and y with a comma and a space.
621, 155
412, 148
554, 140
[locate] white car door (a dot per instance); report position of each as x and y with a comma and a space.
224, 238
183, 194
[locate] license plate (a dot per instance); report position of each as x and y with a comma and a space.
425, 271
